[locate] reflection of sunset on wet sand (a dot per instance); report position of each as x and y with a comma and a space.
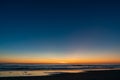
36, 72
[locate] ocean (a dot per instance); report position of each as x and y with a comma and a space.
11, 70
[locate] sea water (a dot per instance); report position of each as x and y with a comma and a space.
11, 70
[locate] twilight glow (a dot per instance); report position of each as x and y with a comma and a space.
59, 32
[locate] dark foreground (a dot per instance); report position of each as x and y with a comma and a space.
91, 75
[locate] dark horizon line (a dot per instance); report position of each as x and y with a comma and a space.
68, 63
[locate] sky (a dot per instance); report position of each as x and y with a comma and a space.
60, 31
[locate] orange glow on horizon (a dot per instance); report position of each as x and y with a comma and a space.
75, 57
62, 61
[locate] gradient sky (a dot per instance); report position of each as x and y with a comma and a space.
59, 31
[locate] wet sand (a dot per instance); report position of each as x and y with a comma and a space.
90, 75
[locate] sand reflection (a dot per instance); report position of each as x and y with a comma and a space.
36, 72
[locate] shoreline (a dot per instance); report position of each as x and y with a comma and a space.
32, 73
88, 75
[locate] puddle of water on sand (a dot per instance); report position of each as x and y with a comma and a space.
36, 72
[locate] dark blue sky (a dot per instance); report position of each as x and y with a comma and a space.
60, 25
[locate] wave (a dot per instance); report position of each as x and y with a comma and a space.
8, 67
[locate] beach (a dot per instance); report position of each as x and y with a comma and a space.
89, 75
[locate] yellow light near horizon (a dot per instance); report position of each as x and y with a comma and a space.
61, 61
75, 57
